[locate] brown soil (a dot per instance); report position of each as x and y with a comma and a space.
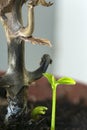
68, 117
71, 109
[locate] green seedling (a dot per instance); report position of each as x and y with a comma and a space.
38, 111
54, 83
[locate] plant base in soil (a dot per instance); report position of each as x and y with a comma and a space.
68, 117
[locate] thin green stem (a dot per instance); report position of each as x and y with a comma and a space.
53, 109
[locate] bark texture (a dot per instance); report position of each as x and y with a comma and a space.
17, 78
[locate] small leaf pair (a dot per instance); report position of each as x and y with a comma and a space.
61, 81
38, 111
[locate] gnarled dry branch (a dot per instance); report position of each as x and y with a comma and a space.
17, 77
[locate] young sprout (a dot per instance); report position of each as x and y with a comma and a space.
54, 83
37, 111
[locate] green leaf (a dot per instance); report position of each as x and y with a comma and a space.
66, 81
50, 77
37, 111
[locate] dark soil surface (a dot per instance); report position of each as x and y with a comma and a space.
68, 117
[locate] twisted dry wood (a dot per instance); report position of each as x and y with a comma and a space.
16, 76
